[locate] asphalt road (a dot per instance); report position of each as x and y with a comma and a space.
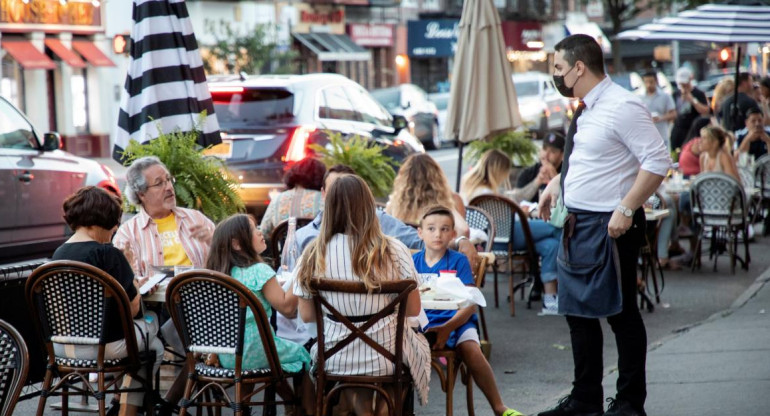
531, 355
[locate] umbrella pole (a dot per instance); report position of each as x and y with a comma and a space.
459, 166
734, 109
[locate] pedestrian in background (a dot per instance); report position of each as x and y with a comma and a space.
690, 103
614, 160
745, 89
660, 104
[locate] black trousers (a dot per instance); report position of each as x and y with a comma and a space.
629, 330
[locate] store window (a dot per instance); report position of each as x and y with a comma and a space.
11, 85
79, 100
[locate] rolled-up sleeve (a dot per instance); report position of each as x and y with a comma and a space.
633, 125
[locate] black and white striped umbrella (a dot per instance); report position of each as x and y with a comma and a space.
723, 23
166, 85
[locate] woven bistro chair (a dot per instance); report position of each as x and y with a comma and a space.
69, 301
719, 205
278, 237
503, 212
401, 379
479, 219
762, 181
14, 364
652, 272
210, 310
448, 373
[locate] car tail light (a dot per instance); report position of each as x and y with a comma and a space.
231, 90
298, 144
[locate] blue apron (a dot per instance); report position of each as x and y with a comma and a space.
588, 267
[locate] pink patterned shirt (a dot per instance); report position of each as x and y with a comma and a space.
140, 233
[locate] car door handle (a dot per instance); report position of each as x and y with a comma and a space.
26, 177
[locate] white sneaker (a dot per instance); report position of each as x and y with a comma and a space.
549, 310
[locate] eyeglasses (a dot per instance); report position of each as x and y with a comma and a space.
162, 183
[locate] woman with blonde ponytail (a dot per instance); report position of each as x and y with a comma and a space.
352, 247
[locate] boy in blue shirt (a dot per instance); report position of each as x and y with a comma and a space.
455, 329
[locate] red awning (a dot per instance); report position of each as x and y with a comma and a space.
93, 55
64, 53
25, 53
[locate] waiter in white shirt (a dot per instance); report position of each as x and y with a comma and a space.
614, 160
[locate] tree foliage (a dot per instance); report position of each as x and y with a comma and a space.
517, 144
621, 12
252, 51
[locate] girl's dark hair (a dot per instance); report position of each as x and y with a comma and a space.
222, 256
307, 173
695, 128
92, 206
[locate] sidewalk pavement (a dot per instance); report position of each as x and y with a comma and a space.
718, 367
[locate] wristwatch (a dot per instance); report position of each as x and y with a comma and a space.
628, 212
457, 240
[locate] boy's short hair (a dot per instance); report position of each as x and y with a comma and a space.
438, 210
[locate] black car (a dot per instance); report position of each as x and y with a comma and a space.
268, 121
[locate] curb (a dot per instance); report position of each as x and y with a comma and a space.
738, 303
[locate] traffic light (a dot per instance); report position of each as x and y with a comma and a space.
121, 44
724, 57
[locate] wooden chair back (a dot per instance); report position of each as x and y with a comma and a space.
400, 379
278, 237
480, 219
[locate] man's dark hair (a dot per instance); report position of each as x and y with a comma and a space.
743, 77
650, 73
340, 168
765, 82
582, 48
307, 173
753, 110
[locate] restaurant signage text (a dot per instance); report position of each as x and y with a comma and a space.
371, 35
49, 16
433, 38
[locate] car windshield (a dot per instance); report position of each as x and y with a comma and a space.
526, 88
390, 98
239, 107
441, 102
15, 131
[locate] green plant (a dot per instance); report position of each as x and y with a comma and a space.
253, 50
202, 182
514, 143
363, 157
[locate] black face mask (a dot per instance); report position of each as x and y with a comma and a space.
564, 90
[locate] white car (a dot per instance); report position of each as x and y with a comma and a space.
541, 106
441, 100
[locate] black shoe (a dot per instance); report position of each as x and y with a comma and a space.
619, 407
535, 294
114, 408
571, 407
164, 408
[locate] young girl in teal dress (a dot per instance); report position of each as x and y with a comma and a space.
235, 249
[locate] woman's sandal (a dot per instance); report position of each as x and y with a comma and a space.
512, 412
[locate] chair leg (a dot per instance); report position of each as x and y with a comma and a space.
512, 295
188, 388
467, 379
65, 400
450, 385
494, 269
46, 385
100, 384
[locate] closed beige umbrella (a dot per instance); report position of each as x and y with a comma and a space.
482, 99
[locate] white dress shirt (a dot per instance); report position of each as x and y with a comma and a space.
615, 139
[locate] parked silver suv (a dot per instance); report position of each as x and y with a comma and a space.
35, 177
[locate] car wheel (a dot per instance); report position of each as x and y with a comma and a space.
434, 142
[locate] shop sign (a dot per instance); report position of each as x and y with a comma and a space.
523, 36
371, 35
433, 38
50, 16
319, 18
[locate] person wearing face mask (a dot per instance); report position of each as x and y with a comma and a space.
614, 159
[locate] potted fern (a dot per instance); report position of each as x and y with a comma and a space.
515, 143
366, 159
202, 183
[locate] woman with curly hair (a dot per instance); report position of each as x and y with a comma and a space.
723, 89
421, 183
302, 198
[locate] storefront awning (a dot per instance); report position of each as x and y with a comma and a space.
92, 54
25, 53
590, 29
333, 47
64, 53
